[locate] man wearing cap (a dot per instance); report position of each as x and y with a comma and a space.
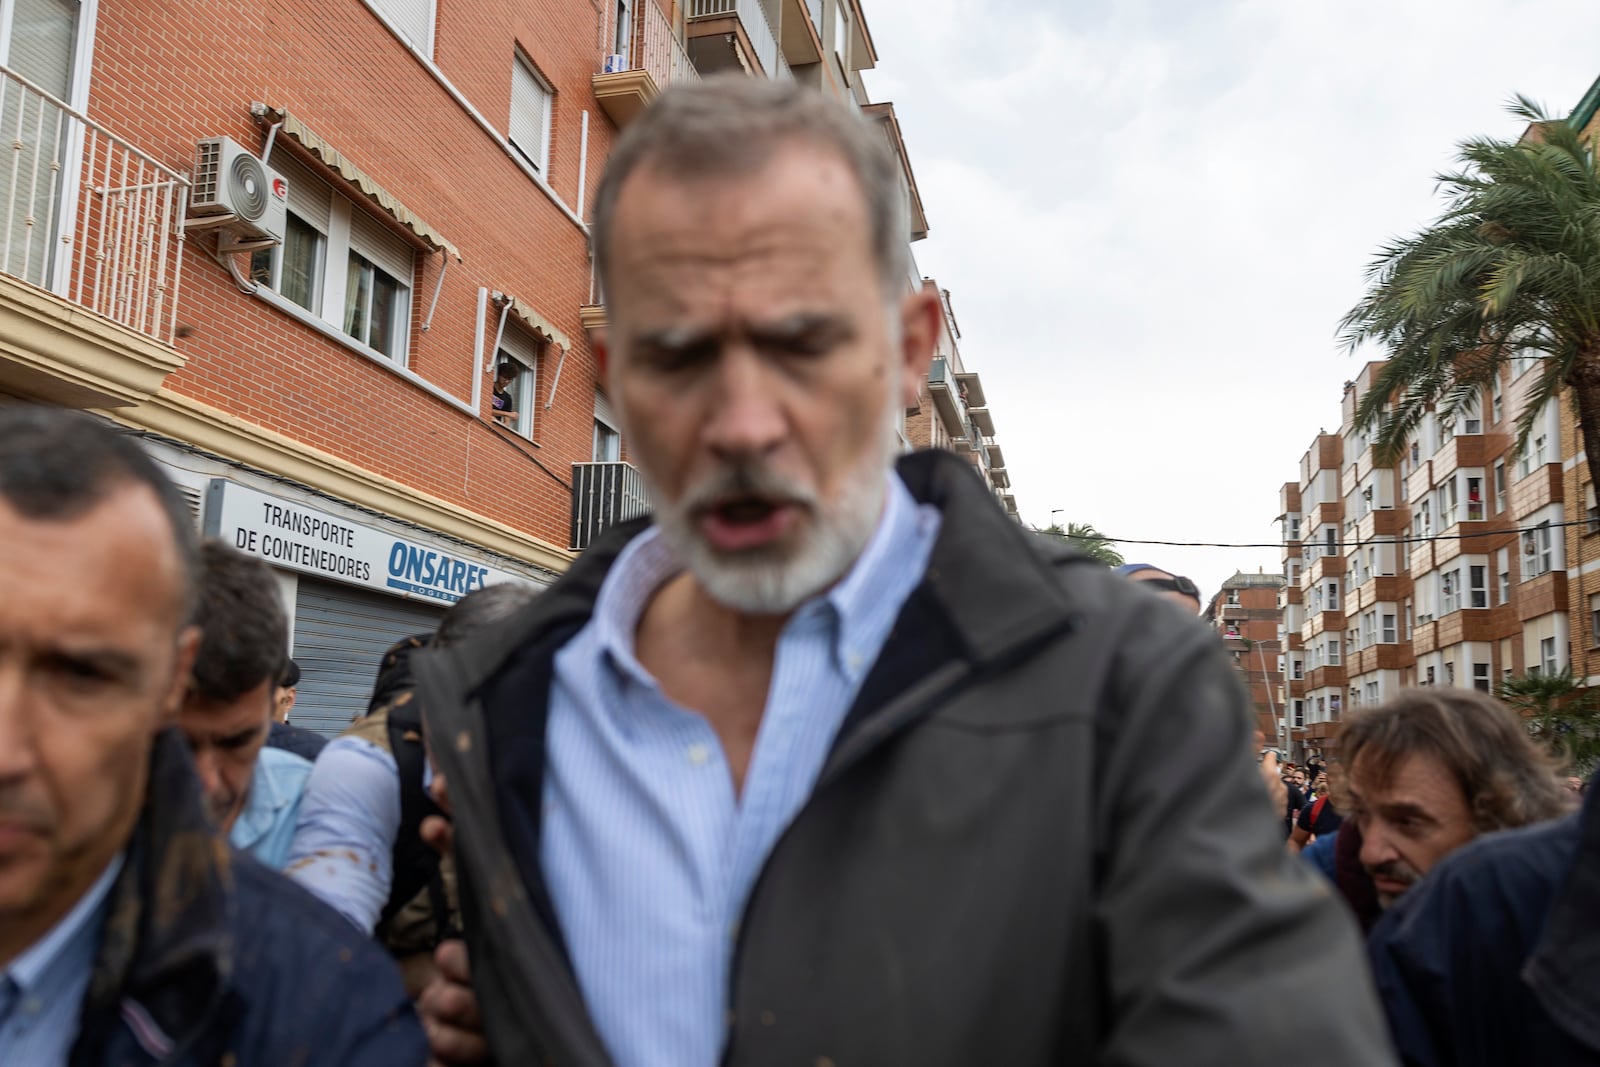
1174, 587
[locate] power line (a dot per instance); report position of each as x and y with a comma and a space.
1342, 545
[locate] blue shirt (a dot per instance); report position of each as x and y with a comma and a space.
344, 843
265, 826
41, 992
648, 852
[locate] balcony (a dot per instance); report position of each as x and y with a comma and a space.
604, 495
734, 35
947, 398
657, 59
88, 223
801, 32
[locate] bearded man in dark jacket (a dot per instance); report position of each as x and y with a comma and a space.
833, 762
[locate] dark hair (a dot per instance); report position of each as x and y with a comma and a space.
244, 633
291, 675
1507, 778
730, 126
57, 464
507, 370
479, 610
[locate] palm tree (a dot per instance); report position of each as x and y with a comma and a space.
1560, 712
1511, 267
1086, 539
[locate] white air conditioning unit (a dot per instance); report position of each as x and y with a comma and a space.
234, 188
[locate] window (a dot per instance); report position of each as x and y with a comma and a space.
1447, 431
1449, 674
1431, 678
1369, 629
607, 437
1233, 597
519, 353
624, 35
1333, 651
340, 264
1330, 541
1480, 677
1503, 581
1547, 656
1472, 424
1294, 527
1499, 486
1477, 586
1474, 499
1594, 619
1447, 504
411, 19
1425, 518
1535, 455
1372, 692
1333, 596
1297, 668
1449, 591
1408, 618
529, 130
1538, 551
1591, 512
1388, 635
841, 32
1299, 712
1497, 409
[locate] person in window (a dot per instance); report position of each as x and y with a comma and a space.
505, 407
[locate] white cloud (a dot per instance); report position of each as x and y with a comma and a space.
1151, 214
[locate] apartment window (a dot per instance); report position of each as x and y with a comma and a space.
841, 32
1388, 635
1591, 513
340, 264
1372, 692
1294, 528
1299, 713
1233, 597
521, 352
1425, 518
1474, 499
1497, 409
1333, 651
1369, 629
1330, 541
1333, 596
624, 35
529, 131
607, 435
411, 19
1449, 674
1538, 551
1449, 591
1297, 667
1480, 677
1447, 431
1322, 710
1535, 455
1431, 679
1594, 619
1503, 575
1477, 586
1499, 486
1547, 656
1408, 616
1447, 504
1472, 424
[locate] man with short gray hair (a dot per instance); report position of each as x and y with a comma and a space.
833, 762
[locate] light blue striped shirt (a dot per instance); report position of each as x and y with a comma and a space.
41, 992
648, 852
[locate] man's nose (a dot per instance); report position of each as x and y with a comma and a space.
1376, 848
16, 723
747, 415
208, 766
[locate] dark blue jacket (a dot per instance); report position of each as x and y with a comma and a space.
300, 741
207, 957
1493, 960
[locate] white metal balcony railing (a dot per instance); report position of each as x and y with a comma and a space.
604, 495
85, 214
756, 26
658, 51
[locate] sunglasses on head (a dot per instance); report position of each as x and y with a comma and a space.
1179, 584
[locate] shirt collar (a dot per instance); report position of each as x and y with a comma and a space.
70, 944
647, 563
266, 798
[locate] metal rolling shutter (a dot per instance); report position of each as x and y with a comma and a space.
340, 636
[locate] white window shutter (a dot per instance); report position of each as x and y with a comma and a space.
530, 114
412, 19
374, 240
308, 194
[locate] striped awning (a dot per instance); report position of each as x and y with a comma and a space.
534, 321
340, 164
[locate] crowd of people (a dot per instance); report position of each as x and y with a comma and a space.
828, 762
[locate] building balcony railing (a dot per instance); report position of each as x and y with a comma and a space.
85, 214
655, 60
752, 16
947, 397
604, 495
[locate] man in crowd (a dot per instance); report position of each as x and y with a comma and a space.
301, 742
129, 931
1174, 587
1491, 961
1433, 768
357, 845
834, 762
252, 791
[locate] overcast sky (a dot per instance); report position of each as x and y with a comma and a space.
1151, 214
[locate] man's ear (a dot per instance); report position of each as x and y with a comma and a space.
182, 674
920, 316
